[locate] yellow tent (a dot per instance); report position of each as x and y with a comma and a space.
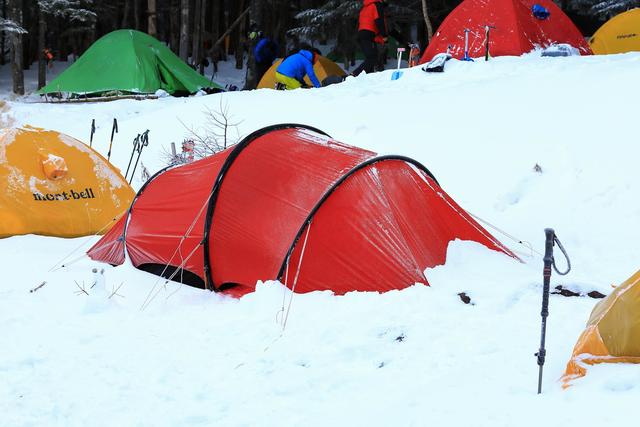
613, 331
323, 68
55, 185
618, 35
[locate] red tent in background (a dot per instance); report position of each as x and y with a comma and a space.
286, 202
516, 31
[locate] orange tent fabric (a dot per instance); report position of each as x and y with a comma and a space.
55, 185
323, 68
612, 334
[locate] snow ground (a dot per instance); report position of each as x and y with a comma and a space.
195, 358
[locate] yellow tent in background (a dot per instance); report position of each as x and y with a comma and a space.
618, 35
323, 68
613, 331
55, 185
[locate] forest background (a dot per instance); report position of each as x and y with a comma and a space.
201, 32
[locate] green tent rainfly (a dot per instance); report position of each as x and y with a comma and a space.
128, 62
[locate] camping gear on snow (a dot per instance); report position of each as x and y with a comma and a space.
561, 49
371, 223
619, 34
487, 30
323, 68
549, 261
519, 31
540, 12
93, 130
397, 73
127, 62
139, 142
612, 334
465, 57
331, 80
55, 185
414, 54
436, 65
114, 130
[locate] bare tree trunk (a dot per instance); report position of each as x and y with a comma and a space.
15, 11
125, 15
184, 30
427, 21
203, 24
3, 36
174, 26
136, 13
195, 50
152, 28
42, 61
240, 39
250, 81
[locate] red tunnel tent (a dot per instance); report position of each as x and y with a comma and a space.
517, 30
286, 192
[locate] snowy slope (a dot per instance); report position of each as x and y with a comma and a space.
194, 358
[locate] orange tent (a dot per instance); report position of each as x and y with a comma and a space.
323, 68
612, 334
55, 185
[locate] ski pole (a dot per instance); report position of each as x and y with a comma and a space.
144, 141
549, 261
466, 45
93, 130
136, 142
114, 129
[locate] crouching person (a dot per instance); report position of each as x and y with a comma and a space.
292, 70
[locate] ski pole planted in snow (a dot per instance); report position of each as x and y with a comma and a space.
397, 73
549, 261
139, 143
93, 130
466, 46
114, 129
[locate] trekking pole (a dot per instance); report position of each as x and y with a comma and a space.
466, 45
93, 130
549, 261
487, 28
144, 141
114, 129
136, 142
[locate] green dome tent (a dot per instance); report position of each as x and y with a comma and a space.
127, 62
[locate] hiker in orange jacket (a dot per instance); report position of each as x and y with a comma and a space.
372, 31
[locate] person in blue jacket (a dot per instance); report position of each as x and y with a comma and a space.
292, 70
265, 52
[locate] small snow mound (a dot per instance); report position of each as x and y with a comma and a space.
160, 93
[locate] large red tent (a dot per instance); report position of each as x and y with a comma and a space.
290, 203
515, 29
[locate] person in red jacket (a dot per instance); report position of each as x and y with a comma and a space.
372, 31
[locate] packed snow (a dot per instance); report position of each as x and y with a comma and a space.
522, 143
